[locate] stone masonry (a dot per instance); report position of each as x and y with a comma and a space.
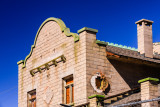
149, 90
44, 69
96, 60
156, 48
144, 32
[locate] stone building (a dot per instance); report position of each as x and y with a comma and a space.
65, 68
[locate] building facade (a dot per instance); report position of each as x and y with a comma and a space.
65, 68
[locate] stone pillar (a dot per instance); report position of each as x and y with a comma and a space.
93, 102
96, 100
149, 90
87, 40
86, 35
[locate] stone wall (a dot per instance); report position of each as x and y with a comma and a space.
83, 59
52, 42
156, 48
96, 60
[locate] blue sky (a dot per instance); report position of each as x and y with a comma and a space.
20, 20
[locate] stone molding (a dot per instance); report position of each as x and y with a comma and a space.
87, 29
148, 79
63, 29
48, 64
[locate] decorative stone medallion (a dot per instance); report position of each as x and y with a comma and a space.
48, 95
99, 82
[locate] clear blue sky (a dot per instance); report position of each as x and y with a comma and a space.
20, 20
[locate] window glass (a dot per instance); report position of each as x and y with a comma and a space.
69, 90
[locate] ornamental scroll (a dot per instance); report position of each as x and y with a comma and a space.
99, 82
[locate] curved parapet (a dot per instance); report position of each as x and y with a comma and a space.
63, 29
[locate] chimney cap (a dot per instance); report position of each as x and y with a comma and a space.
144, 20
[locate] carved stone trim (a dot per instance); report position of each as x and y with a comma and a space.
48, 95
48, 64
103, 83
93, 83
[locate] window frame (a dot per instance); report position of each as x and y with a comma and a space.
30, 99
71, 93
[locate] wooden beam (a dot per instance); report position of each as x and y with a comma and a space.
112, 54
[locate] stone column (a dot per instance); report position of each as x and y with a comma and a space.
84, 50
96, 100
149, 90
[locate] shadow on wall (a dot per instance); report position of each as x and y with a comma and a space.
107, 90
133, 72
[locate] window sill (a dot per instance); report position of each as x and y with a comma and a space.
71, 104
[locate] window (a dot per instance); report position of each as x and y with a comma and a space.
31, 97
68, 90
98, 82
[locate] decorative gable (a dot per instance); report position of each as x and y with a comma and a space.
51, 34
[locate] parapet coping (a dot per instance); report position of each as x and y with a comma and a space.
63, 29
87, 29
148, 79
97, 96
101, 43
115, 45
156, 43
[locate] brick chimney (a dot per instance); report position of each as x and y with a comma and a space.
144, 33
